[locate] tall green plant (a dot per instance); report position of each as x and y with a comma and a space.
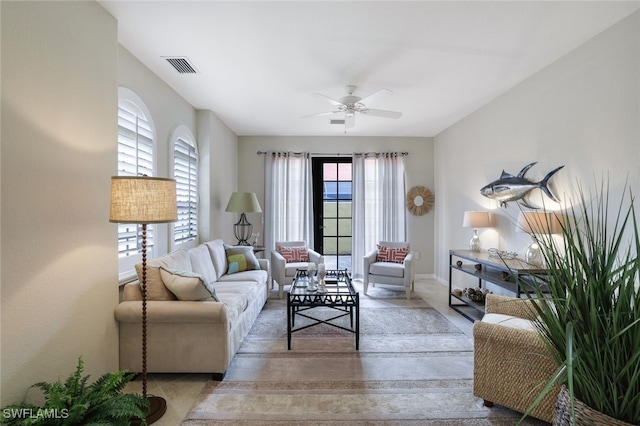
592, 328
75, 402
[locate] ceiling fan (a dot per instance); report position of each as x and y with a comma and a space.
351, 104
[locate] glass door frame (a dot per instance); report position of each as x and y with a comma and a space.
318, 201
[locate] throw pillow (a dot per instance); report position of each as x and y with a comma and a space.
240, 258
294, 254
392, 254
187, 285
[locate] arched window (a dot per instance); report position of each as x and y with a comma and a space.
136, 157
185, 172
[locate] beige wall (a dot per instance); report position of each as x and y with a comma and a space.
217, 148
168, 111
418, 164
218, 172
58, 268
583, 111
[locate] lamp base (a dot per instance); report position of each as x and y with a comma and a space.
533, 256
243, 230
157, 408
474, 243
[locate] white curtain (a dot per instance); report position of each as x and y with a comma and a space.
288, 198
379, 212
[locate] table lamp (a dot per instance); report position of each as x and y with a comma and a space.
537, 223
144, 200
475, 220
243, 202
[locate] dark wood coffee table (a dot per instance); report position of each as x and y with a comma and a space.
340, 295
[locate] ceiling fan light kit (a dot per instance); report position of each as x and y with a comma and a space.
351, 104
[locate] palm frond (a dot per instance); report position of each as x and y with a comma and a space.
592, 328
100, 403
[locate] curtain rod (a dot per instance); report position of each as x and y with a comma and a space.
338, 154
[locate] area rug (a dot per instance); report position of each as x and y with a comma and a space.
414, 367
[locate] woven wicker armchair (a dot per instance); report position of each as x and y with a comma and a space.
511, 365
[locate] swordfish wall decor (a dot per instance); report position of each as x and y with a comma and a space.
516, 188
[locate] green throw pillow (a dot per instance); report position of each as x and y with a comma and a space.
187, 285
240, 258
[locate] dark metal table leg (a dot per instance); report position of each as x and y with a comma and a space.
357, 321
289, 320
351, 316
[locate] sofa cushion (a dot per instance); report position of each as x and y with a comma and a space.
218, 256
392, 254
202, 264
389, 269
240, 258
254, 276
236, 295
187, 285
156, 290
294, 253
291, 268
509, 321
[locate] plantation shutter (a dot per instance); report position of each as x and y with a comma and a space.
185, 172
135, 158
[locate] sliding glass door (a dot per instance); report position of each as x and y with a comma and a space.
332, 184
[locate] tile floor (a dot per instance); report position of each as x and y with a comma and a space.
181, 390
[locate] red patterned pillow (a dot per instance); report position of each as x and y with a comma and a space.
392, 254
294, 254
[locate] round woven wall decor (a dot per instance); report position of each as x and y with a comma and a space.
420, 200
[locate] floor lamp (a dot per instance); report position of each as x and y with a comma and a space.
144, 200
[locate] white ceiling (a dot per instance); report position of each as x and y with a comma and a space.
260, 62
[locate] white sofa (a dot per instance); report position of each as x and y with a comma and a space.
197, 336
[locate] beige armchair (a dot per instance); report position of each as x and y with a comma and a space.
511, 363
284, 270
391, 273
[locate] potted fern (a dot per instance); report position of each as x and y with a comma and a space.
75, 402
592, 328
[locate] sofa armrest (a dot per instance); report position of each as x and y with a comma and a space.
278, 265
265, 265
369, 258
409, 269
516, 307
315, 257
173, 312
511, 366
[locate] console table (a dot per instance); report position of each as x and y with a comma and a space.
514, 275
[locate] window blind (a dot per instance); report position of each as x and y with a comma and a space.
185, 172
135, 158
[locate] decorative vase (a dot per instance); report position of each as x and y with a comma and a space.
585, 415
321, 274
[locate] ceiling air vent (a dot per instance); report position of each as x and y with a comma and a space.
182, 65
336, 121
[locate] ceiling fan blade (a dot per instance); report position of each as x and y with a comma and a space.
375, 97
328, 99
320, 114
381, 113
349, 121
